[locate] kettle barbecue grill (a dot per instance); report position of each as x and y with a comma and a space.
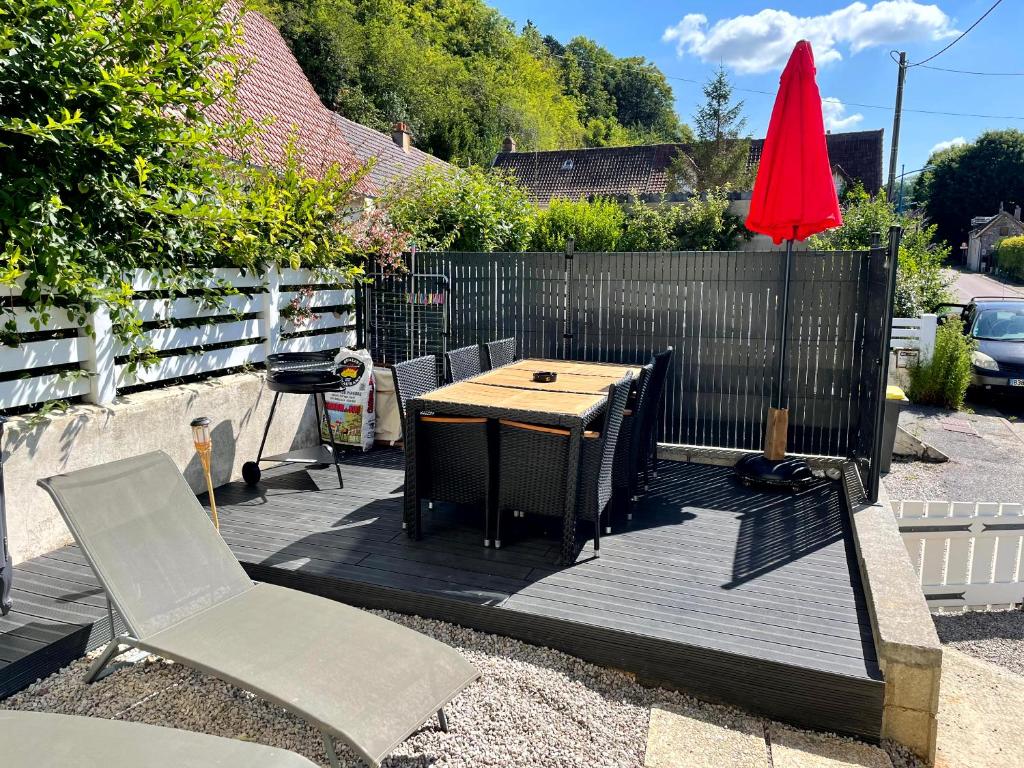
300, 373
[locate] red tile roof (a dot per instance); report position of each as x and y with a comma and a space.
642, 170
273, 87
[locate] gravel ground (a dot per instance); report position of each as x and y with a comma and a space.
984, 462
532, 707
995, 636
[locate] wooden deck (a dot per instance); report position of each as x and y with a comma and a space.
735, 595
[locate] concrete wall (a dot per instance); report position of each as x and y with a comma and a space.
85, 435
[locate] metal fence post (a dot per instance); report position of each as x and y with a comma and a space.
891, 265
568, 324
100, 358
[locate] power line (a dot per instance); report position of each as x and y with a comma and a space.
972, 72
961, 36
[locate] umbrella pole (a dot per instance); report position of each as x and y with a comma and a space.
778, 417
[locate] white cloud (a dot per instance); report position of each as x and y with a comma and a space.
954, 142
834, 112
763, 41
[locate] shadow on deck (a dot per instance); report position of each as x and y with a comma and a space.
746, 597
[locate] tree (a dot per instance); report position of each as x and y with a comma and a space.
972, 180
718, 155
594, 225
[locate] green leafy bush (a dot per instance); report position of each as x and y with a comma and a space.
921, 283
466, 209
595, 225
944, 379
1010, 256
701, 223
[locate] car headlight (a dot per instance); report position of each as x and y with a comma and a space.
983, 361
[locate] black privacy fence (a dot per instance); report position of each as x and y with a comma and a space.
720, 311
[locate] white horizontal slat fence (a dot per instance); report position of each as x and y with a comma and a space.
967, 554
915, 333
191, 336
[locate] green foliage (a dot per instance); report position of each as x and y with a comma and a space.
595, 225
1010, 256
109, 163
920, 280
701, 223
717, 157
462, 77
944, 379
463, 210
972, 180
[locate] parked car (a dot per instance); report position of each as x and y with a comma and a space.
997, 326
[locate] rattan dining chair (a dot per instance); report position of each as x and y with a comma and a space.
500, 353
649, 429
463, 363
413, 378
454, 463
631, 453
534, 465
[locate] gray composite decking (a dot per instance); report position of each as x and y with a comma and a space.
741, 596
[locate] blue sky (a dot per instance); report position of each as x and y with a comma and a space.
851, 40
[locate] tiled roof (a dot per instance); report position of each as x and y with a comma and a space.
857, 153
273, 87
620, 171
392, 163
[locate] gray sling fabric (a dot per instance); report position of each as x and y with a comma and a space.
362, 679
42, 740
149, 540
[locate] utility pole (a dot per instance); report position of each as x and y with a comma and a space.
894, 153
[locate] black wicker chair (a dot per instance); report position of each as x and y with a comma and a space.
649, 429
413, 378
454, 463
631, 453
463, 363
534, 463
499, 353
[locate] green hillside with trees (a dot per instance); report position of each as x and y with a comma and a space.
463, 77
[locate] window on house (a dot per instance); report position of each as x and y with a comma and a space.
1004, 231
567, 165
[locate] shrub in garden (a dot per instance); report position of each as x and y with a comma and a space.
462, 209
595, 225
1010, 256
944, 379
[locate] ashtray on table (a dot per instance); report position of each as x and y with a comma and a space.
544, 377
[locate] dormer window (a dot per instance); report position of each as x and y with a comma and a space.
567, 165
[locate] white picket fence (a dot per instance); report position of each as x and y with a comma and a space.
967, 554
915, 333
58, 359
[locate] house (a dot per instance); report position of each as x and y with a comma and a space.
985, 234
643, 170
275, 93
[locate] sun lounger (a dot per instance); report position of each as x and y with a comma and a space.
42, 740
354, 676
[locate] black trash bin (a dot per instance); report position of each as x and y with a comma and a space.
895, 399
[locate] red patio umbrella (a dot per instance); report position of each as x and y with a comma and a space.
794, 198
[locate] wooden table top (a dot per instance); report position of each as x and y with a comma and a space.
522, 378
515, 398
574, 367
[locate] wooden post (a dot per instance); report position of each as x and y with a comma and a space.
99, 359
775, 434
270, 317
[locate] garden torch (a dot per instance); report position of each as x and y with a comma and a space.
204, 447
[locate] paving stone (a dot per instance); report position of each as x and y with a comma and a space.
699, 739
800, 749
980, 706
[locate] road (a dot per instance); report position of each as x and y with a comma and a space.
969, 284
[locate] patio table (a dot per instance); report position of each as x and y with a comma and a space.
513, 395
